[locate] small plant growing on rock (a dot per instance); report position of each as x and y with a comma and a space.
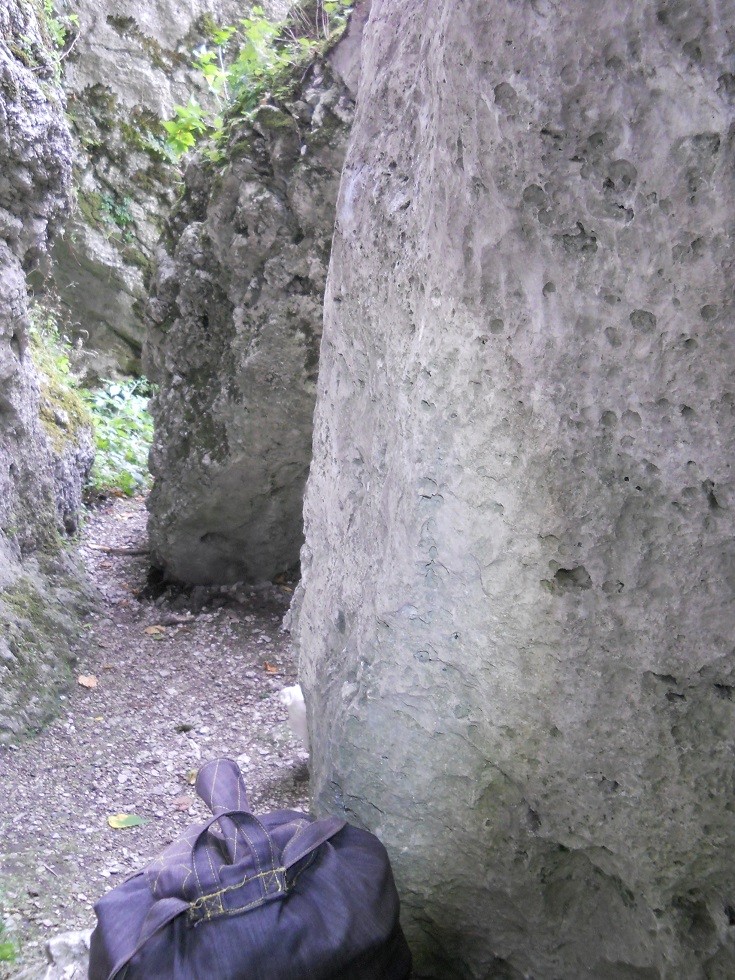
247, 64
186, 127
59, 26
62, 30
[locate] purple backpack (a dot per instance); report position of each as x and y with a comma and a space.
284, 897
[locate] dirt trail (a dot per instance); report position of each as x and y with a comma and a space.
180, 679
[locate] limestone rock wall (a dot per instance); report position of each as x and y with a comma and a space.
44, 454
516, 628
128, 67
237, 311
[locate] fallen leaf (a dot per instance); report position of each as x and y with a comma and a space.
98, 718
269, 668
191, 776
154, 630
87, 680
183, 802
121, 821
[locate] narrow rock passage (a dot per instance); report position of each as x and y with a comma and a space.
179, 680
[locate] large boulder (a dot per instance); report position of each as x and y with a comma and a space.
45, 445
237, 319
516, 627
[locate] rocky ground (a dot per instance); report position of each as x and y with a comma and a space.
174, 679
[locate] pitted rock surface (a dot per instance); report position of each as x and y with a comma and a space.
516, 627
237, 313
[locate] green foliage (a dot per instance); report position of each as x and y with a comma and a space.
116, 212
62, 30
250, 63
123, 435
186, 127
59, 26
110, 212
117, 411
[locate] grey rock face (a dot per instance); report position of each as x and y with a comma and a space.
43, 459
517, 622
129, 66
67, 958
237, 318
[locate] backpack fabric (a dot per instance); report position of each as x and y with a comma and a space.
284, 897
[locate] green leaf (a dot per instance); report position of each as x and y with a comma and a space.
221, 35
121, 821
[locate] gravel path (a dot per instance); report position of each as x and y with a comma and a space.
180, 679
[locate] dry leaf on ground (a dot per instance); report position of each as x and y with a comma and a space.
121, 821
87, 680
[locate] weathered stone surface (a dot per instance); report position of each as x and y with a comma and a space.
67, 958
43, 456
235, 345
517, 626
129, 66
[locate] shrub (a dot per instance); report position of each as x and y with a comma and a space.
123, 432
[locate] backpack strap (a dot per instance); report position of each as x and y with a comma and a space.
220, 784
240, 834
312, 836
267, 881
